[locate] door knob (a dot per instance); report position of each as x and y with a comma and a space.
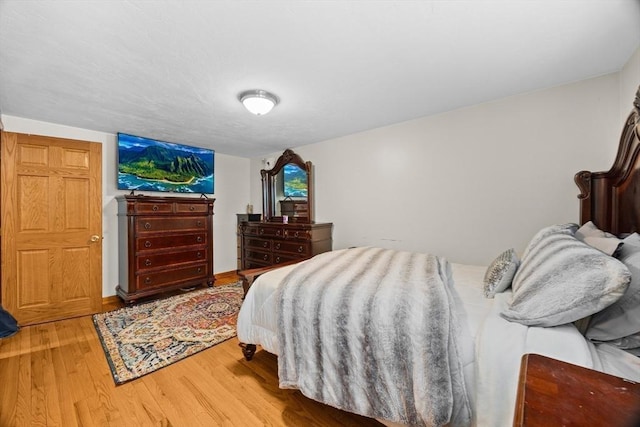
95, 238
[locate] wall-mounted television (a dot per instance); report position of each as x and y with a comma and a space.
146, 164
295, 181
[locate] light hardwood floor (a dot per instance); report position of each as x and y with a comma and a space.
56, 374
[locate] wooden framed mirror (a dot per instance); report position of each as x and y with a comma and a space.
287, 190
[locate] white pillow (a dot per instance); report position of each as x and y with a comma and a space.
561, 280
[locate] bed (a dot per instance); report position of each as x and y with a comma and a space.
410, 339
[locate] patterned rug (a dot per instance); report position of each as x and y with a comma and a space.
140, 339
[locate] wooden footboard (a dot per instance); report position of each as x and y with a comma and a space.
249, 276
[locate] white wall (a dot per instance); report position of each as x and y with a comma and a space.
470, 183
231, 194
629, 82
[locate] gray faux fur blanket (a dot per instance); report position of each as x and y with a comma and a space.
372, 331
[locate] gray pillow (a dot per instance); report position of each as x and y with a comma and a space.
569, 228
601, 240
630, 342
634, 351
500, 273
622, 318
561, 280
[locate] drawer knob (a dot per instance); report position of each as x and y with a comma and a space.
199, 255
147, 226
199, 223
277, 232
278, 246
262, 231
265, 244
265, 257
154, 208
199, 269
147, 280
147, 262
199, 239
296, 234
277, 260
192, 208
147, 244
300, 248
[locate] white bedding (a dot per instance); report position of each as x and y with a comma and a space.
493, 350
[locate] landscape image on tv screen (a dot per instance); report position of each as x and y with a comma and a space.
295, 181
146, 164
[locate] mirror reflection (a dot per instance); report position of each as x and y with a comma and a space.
287, 190
294, 180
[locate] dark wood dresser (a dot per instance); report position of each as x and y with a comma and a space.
270, 243
556, 393
164, 243
243, 218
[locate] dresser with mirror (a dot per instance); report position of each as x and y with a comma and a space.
288, 231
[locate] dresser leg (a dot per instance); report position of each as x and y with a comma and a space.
248, 350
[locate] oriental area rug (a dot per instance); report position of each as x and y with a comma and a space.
141, 339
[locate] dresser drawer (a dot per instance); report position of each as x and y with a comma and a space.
249, 230
249, 264
145, 262
155, 224
164, 242
263, 231
192, 207
291, 247
253, 243
173, 275
144, 207
271, 231
279, 258
258, 256
299, 234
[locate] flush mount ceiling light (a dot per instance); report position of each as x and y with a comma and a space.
258, 102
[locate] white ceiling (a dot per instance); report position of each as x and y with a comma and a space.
173, 69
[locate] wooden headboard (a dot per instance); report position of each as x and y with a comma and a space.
612, 199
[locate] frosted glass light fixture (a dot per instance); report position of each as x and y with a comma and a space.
258, 102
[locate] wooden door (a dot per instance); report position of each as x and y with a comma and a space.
51, 223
